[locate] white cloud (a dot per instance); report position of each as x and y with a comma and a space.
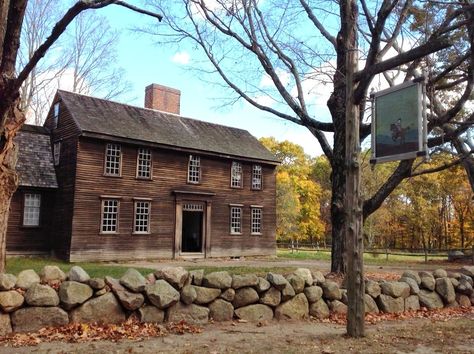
266, 80
182, 58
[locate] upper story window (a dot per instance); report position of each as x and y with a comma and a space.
56, 152
194, 169
142, 217
110, 213
235, 220
55, 115
113, 157
256, 177
256, 221
144, 163
236, 175
31, 209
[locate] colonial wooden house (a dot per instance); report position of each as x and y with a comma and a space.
135, 183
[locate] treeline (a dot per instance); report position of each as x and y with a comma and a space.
430, 211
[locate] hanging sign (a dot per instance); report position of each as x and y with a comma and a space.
399, 122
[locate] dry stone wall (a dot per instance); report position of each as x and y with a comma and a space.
30, 301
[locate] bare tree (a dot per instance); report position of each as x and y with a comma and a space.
281, 50
12, 15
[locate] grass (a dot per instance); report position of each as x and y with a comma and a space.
261, 271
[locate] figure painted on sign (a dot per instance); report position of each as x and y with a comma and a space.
398, 132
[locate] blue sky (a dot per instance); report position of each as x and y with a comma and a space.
145, 63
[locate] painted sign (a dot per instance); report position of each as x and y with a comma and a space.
398, 124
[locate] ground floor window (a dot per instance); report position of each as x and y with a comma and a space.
110, 212
31, 209
142, 217
235, 220
256, 227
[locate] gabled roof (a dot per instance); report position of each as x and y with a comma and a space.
102, 117
35, 161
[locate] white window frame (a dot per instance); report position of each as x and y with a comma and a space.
144, 163
56, 152
257, 177
141, 216
112, 215
235, 219
236, 175
55, 115
256, 218
194, 169
31, 209
113, 160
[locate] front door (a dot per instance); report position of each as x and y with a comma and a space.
192, 229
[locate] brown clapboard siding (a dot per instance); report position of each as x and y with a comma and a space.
169, 173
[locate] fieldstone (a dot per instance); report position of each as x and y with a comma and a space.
193, 313
129, 300
467, 278
30, 319
7, 281
472, 299
78, 274
454, 281
100, 292
205, 295
175, 276
272, 297
41, 295
452, 305
296, 282
221, 310
27, 278
5, 324
331, 290
263, 285
10, 300
133, 280
103, 309
395, 289
370, 304
188, 294
228, 295
150, 278
412, 275
412, 303
445, 288
305, 273
344, 298
114, 284
277, 280
196, 276
242, 281
254, 313
387, 303
337, 307
319, 309
463, 300
464, 287
427, 281
96, 283
218, 280
287, 293
313, 293
161, 294
372, 288
244, 297
295, 309
73, 293
151, 314
440, 273
468, 270
430, 299
318, 277
414, 288
52, 274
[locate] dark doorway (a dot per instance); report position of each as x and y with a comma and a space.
192, 231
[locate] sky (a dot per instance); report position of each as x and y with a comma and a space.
145, 62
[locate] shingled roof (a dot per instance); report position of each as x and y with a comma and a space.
35, 162
98, 116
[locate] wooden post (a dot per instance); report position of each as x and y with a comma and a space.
386, 254
353, 204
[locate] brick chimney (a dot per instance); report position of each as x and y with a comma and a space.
162, 98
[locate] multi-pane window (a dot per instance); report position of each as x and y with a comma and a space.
142, 217
236, 175
235, 219
55, 115
256, 177
113, 157
144, 163
31, 209
56, 152
194, 169
110, 211
256, 226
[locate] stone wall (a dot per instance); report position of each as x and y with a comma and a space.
31, 301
